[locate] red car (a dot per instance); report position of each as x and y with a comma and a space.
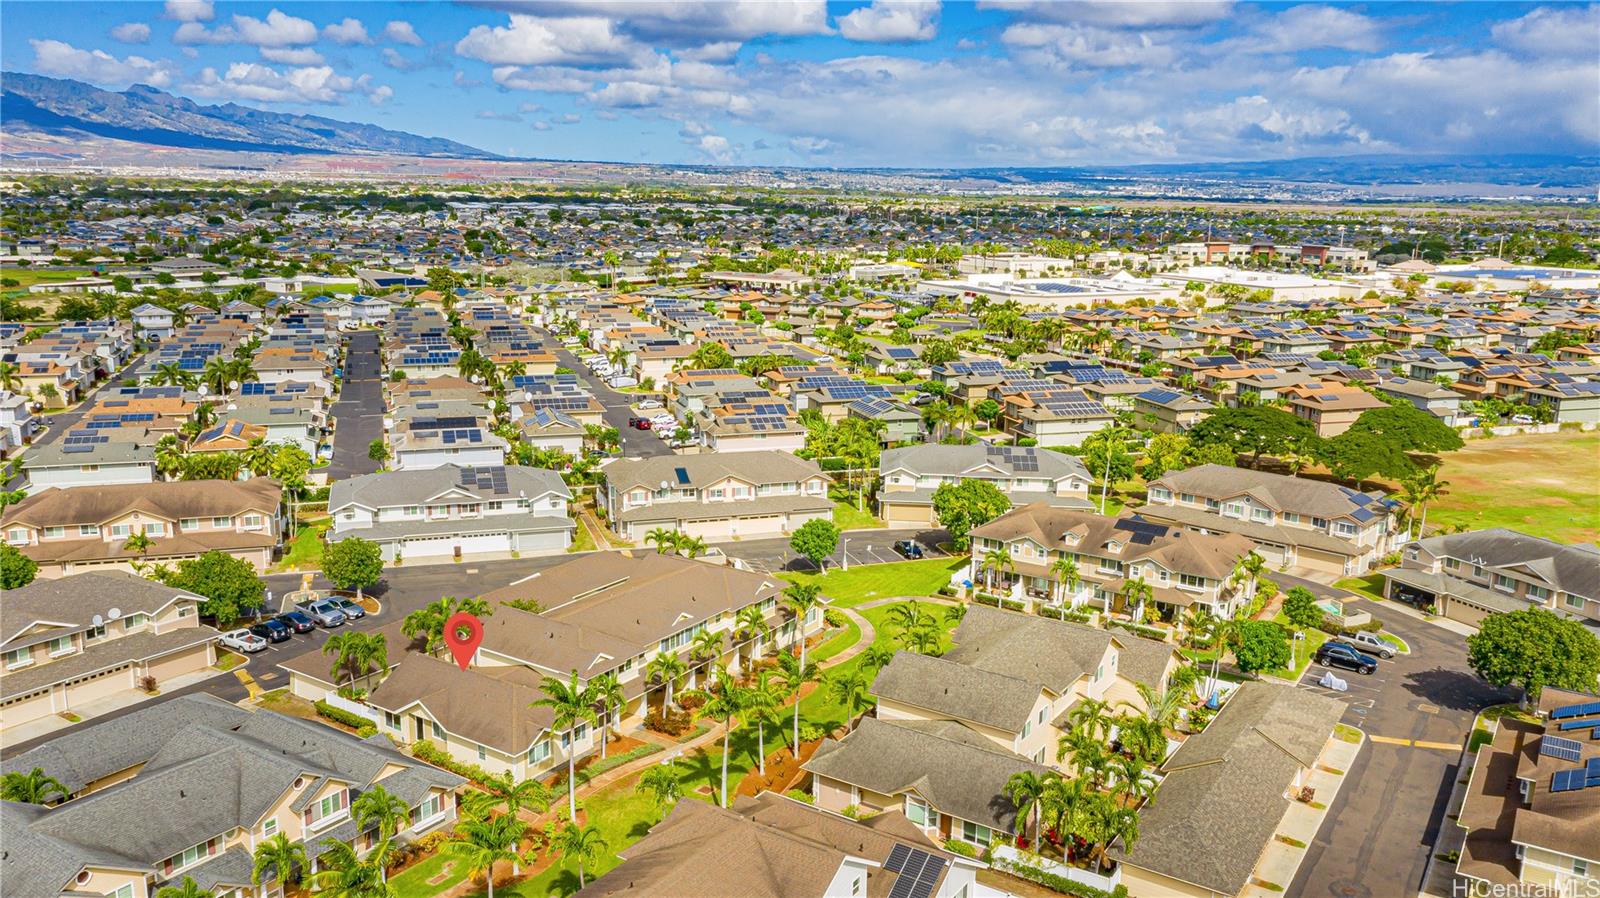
641, 423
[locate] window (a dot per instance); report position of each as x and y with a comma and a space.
1027, 728
1320, 523
54, 532
1212, 505
1344, 528
190, 856
438, 731
1504, 583
99, 632
411, 511
155, 529
1580, 867
17, 536
977, 835
1290, 517
483, 753
680, 639
581, 731
1186, 497
253, 521
1161, 493
714, 494
60, 646
391, 720
429, 809
222, 522
88, 529
189, 524
855, 886
1192, 581
1451, 564
119, 531
493, 506
19, 658
1260, 514
539, 752
269, 827
916, 811
123, 891
88, 469
1572, 601
1538, 592
1233, 509
328, 806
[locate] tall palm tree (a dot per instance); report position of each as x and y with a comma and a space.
582, 844
386, 812
481, 843
661, 781
751, 625
794, 674
138, 544
1135, 594
994, 561
33, 787
172, 374
691, 546
763, 703
663, 538
346, 875
572, 705
1027, 790
357, 653
802, 599
1067, 577
284, 858
186, 889
668, 669
608, 695
706, 650
9, 376
725, 701
504, 791
877, 656
1429, 487
850, 689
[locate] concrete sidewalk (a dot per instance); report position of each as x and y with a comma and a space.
87, 711
1280, 860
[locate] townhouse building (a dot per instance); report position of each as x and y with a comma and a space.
1441, 402
190, 788
909, 476
1468, 576
1295, 522
430, 441
69, 531
82, 644
1532, 807
714, 497
1182, 568
453, 512
1165, 410
1330, 407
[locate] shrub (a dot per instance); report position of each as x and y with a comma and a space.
610, 763
339, 715
851, 811
836, 618
801, 795
672, 723
1140, 629
433, 841
956, 846
1013, 605
427, 751
984, 598
690, 702
1057, 883
810, 732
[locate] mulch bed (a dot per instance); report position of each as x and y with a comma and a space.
783, 771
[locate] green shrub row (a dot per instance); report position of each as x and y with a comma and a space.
610, 763
1057, 883
427, 751
364, 728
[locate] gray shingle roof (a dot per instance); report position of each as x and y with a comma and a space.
1280, 491
976, 460
416, 487
1050, 654
963, 692
1574, 569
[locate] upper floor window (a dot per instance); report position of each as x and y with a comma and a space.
1344, 528
60, 645
155, 529
252, 521
1504, 583
19, 658
222, 522
189, 524
1161, 493
54, 532
88, 529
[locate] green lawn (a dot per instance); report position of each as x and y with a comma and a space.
1395, 641
1540, 484
413, 882
623, 816
27, 277
582, 539
1368, 587
304, 552
836, 643
866, 582
846, 517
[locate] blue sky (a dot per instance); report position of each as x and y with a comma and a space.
888, 83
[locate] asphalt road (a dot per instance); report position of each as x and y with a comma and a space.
1375, 840
618, 406
54, 427
358, 415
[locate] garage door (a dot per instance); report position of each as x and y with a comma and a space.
178, 663
708, 530
1457, 610
25, 710
908, 514
1326, 562
763, 525
542, 542
102, 686
1273, 555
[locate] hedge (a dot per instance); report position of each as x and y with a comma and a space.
437, 757
1057, 883
984, 598
1330, 626
956, 846
1140, 629
1066, 614
610, 763
364, 728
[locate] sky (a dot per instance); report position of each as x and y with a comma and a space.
890, 83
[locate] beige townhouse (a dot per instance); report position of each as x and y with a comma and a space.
910, 475
714, 497
1468, 576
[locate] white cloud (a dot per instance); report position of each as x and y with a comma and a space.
292, 55
1088, 46
721, 51
530, 40
686, 23
541, 126
462, 80
277, 30
264, 84
131, 33
1118, 13
189, 10
394, 59
810, 146
401, 32
1552, 31
1308, 27
52, 57
892, 21
715, 147
542, 78
571, 118
348, 32
494, 116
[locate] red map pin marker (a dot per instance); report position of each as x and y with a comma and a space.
463, 633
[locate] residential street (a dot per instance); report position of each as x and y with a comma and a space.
1416, 710
635, 443
358, 415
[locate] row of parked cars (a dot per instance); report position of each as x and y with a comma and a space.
1359, 653
615, 376
327, 613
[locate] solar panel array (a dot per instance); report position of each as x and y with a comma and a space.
1143, 532
1585, 777
873, 405
1021, 458
1559, 747
461, 436
484, 479
1160, 395
1582, 709
918, 872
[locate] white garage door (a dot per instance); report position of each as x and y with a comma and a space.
708, 530
764, 525
542, 542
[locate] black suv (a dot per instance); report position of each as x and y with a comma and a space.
272, 630
908, 548
1337, 654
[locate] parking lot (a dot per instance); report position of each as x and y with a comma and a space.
1416, 711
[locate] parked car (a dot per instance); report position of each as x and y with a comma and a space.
640, 423
1368, 643
908, 548
297, 621
242, 641
272, 630
649, 404
1337, 654
325, 613
351, 608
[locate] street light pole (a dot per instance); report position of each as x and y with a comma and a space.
845, 550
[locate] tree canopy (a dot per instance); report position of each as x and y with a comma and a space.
963, 506
1357, 455
1300, 607
1408, 427
1263, 645
16, 569
229, 584
1534, 648
1254, 431
815, 539
353, 563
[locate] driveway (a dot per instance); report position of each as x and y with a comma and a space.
635, 443
1416, 710
358, 415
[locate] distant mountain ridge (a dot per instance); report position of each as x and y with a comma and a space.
145, 114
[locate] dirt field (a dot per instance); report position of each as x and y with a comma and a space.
1545, 485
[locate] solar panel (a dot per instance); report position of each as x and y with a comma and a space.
1583, 709
1568, 780
897, 858
1557, 747
683, 475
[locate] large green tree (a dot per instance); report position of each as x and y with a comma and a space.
16, 569
229, 584
815, 539
1262, 645
1408, 427
1254, 431
962, 507
353, 563
1300, 607
572, 705
1534, 648
1358, 455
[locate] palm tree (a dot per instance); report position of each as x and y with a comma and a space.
1429, 487
172, 374
284, 858
706, 649
1065, 570
138, 543
385, 811
1135, 593
662, 782
571, 705
850, 689
994, 561
802, 599
357, 653
607, 691
751, 625
187, 889
663, 538
1133, 778
691, 546
668, 669
955, 614
506, 792
482, 843
794, 674
9, 379
258, 456
348, 876
763, 702
33, 787
216, 375
582, 844
906, 616
1026, 790
877, 656
723, 700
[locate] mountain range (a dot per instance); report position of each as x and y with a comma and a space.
144, 114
